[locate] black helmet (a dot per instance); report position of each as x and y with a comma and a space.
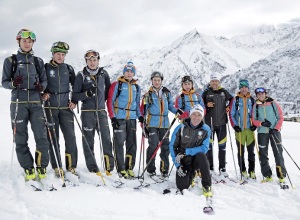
187, 79
157, 74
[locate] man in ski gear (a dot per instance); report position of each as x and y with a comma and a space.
26, 77
123, 107
188, 97
188, 147
61, 78
240, 119
91, 88
155, 107
267, 116
216, 100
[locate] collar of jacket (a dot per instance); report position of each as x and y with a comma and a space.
192, 91
122, 79
268, 99
243, 96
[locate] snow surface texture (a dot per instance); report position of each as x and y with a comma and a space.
86, 201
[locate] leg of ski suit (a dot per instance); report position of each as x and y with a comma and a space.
263, 142
164, 151
275, 140
106, 140
130, 144
152, 142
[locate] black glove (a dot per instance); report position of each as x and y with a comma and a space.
253, 128
237, 128
273, 131
145, 132
179, 111
115, 123
38, 87
18, 80
92, 91
266, 123
141, 119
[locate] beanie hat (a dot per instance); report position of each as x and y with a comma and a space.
244, 83
214, 76
197, 108
129, 66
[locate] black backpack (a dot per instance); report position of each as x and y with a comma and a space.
15, 65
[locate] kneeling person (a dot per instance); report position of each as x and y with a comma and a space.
188, 148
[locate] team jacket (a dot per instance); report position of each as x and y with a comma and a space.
193, 139
84, 81
242, 115
60, 83
27, 69
220, 98
270, 110
126, 105
190, 98
155, 106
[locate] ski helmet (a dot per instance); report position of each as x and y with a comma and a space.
91, 54
60, 47
157, 74
26, 33
187, 79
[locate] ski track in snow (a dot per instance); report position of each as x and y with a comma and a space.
254, 200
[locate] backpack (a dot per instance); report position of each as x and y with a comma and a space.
15, 65
69, 70
120, 88
164, 90
183, 100
237, 98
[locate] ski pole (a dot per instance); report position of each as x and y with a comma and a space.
232, 150
141, 150
86, 142
14, 129
159, 145
98, 125
278, 150
213, 140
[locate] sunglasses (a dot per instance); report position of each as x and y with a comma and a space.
258, 90
91, 54
186, 79
61, 45
27, 34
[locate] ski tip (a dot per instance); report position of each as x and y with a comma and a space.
166, 191
208, 210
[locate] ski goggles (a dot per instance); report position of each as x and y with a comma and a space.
61, 45
91, 54
28, 34
260, 90
186, 79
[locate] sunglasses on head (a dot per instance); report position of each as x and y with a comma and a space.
27, 34
61, 45
258, 90
186, 79
92, 54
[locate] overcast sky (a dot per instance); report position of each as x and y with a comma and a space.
108, 25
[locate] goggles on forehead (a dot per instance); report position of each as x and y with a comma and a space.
61, 45
28, 34
91, 54
258, 90
186, 79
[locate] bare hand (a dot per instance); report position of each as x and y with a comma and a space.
72, 105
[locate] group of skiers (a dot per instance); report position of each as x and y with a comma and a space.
48, 94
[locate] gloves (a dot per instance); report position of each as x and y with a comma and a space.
273, 131
141, 119
181, 172
237, 128
18, 80
145, 132
178, 158
38, 87
179, 111
266, 123
92, 91
115, 123
253, 128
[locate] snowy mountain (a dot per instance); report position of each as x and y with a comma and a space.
275, 52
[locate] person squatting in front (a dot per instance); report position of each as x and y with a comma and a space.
188, 147
59, 108
123, 107
25, 75
155, 105
240, 119
188, 97
91, 88
267, 116
217, 100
